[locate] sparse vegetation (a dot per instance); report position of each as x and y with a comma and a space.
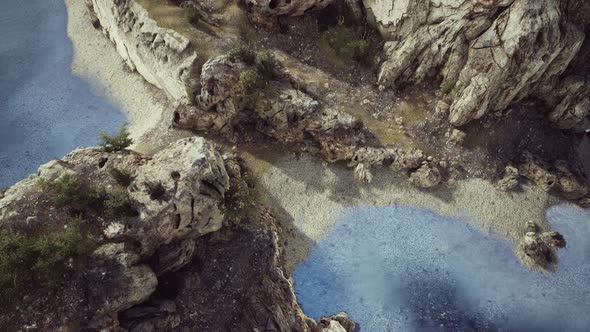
266, 66
119, 204
346, 44
67, 190
257, 78
41, 258
118, 142
250, 82
243, 53
122, 177
447, 87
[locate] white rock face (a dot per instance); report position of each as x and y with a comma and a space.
162, 56
179, 191
488, 55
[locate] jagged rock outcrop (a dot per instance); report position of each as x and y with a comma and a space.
559, 176
175, 196
487, 54
164, 57
336, 323
179, 191
427, 176
509, 181
169, 259
289, 116
119, 281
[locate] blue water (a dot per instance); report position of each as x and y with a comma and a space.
405, 269
45, 111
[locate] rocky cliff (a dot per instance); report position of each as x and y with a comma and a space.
250, 96
488, 54
164, 244
164, 57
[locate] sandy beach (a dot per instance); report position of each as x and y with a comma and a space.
97, 61
315, 195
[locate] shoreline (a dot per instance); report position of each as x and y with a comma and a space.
315, 196
141, 103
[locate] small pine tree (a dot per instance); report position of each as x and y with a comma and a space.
112, 143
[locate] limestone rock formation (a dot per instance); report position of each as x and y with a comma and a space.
164, 57
560, 176
363, 174
177, 195
336, 323
118, 281
487, 54
179, 191
510, 179
173, 242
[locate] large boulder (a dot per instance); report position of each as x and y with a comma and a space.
119, 281
179, 191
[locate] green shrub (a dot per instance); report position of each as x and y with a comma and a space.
67, 190
250, 82
267, 65
243, 53
346, 44
118, 204
118, 142
122, 177
42, 258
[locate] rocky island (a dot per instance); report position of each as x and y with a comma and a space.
255, 124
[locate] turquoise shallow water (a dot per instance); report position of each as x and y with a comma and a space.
405, 269
45, 111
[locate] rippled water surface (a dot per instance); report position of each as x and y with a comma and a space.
405, 269
45, 111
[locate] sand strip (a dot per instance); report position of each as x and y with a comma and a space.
97, 61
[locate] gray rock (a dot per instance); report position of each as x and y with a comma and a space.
510, 179
363, 174
162, 56
119, 282
537, 172
427, 176
179, 192
457, 136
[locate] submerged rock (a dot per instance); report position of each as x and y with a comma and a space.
539, 247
